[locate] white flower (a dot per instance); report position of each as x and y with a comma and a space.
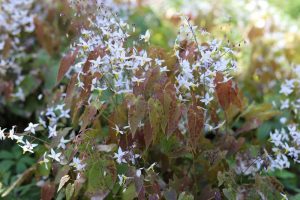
121, 179
59, 107
11, 134
31, 127
283, 120
287, 87
207, 99
62, 143
65, 113
19, 139
96, 62
55, 156
137, 80
2, 135
284, 104
138, 172
28, 147
77, 164
119, 156
117, 129
45, 160
276, 138
146, 37
52, 131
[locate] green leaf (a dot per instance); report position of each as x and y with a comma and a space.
101, 177
296, 197
136, 111
42, 170
129, 193
155, 114
185, 196
20, 167
27, 160
284, 174
6, 165
69, 191
6, 155
29, 84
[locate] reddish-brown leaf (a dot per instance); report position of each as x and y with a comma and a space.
136, 112
87, 117
70, 89
66, 63
249, 125
48, 191
148, 134
195, 124
46, 36
227, 92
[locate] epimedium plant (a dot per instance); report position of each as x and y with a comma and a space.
129, 120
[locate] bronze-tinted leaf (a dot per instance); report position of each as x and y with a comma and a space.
195, 124
66, 63
87, 117
47, 191
227, 92
136, 111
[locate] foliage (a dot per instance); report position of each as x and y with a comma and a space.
119, 100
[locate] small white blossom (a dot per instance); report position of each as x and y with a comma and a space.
45, 160
2, 135
28, 147
62, 143
207, 99
54, 156
52, 131
77, 164
146, 37
31, 127
65, 113
11, 133
117, 129
120, 156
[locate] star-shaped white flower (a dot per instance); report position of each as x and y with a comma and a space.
60, 107
77, 163
146, 37
117, 129
207, 99
11, 134
45, 160
119, 156
52, 131
2, 135
31, 127
62, 143
28, 147
54, 156
19, 139
64, 113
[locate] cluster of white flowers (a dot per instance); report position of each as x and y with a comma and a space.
49, 118
210, 59
286, 140
117, 64
15, 17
